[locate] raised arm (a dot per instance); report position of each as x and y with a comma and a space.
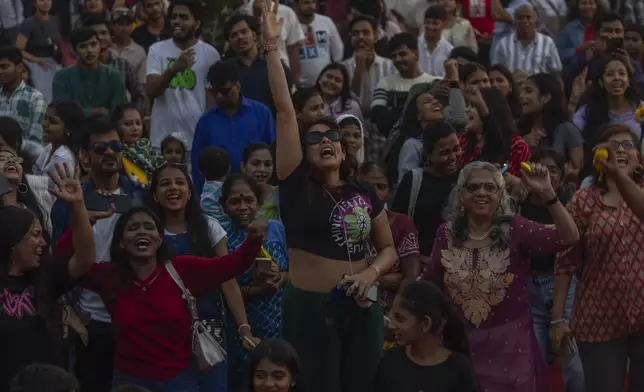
288, 145
68, 189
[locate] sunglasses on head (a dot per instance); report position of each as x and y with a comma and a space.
315, 137
102, 147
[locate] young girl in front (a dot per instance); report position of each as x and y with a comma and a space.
434, 355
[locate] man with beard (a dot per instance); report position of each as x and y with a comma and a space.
390, 95
176, 75
97, 88
156, 29
102, 27
233, 123
102, 152
321, 45
242, 31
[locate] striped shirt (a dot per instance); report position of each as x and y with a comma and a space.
539, 56
380, 69
27, 106
433, 62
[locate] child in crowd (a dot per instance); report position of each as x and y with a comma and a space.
274, 366
351, 128
63, 125
44, 378
214, 166
434, 355
173, 150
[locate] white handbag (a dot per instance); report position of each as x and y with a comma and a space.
204, 346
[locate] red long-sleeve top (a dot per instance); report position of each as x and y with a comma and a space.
151, 324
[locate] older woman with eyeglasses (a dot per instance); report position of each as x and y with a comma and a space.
481, 258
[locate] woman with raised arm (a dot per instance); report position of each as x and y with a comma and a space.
330, 308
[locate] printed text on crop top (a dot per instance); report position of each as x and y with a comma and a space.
320, 221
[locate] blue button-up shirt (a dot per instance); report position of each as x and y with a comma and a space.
251, 123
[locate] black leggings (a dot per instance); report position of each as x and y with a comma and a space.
605, 364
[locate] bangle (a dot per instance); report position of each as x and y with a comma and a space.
551, 202
243, 326
375, 268
558, 321
269, 48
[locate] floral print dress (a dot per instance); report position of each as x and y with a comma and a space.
488, 285
263, 313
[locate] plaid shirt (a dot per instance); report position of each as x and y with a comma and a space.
633, 11
27, 106
132, 82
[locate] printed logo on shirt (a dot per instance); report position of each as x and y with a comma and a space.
18, 304
185, 80
477, 8
313, 44
351, 223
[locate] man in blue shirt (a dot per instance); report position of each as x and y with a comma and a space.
234, 121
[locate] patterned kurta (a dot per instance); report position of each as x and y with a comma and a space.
488, 285
609, 301
263, 313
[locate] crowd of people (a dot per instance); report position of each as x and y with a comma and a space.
349, 196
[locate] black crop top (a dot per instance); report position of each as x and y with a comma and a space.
320, 221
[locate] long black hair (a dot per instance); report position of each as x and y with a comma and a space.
554, 111
513, 95
281, 353
345, 91
16, 222
196, 222
124, 274
498, 129
425, 299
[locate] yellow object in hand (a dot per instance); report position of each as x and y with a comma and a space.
601, 154
525, 166
639, 113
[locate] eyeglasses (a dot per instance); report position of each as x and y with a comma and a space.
102, 147
316, 137
627, 144
11, 159
489, 188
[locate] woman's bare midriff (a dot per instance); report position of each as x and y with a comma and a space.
315, 273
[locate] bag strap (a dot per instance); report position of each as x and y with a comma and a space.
191, 303
416, 180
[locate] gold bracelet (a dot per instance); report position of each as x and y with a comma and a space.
269, 48
375, 268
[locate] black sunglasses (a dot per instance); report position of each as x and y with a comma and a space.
222, 90
316, 137
101, 147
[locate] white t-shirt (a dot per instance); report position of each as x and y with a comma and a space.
215, 231
181, 105
291, 31
321, 45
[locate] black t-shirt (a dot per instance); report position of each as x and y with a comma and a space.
397, 373
428, 214
24, 335
330, 223
142, 36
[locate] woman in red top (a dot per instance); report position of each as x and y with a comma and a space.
491, 134
608, 310
152, 325
482, 14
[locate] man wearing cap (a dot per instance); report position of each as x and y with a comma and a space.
122, 43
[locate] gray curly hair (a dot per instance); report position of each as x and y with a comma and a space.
456, 219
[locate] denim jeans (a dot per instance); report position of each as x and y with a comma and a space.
214, 379
541, 291
186, 381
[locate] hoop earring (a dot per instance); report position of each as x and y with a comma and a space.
462, 207
22, 188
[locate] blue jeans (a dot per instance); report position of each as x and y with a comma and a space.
186, 381
541, 291
214, 379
